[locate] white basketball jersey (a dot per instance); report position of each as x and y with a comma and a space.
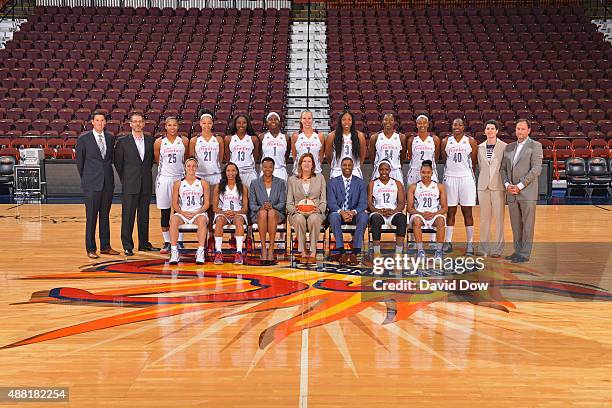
241, 153
191, 196
171, 158
421, 151
305, 144
230, 200
389, 148
347, 151
276, 148
458, 158
427, 198
385, 195
207, 153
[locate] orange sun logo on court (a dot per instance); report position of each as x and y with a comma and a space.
320, 296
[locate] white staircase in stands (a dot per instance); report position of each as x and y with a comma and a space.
7, 28
298, 88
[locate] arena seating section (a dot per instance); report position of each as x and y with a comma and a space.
65, 62
549, 65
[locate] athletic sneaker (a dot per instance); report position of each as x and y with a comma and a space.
239, 258
447, 247
438, 254
218, 258
469, 251
165, 249
421, 254
200, 256
174, 256
180, 245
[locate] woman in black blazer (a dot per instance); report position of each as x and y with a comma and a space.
267, 200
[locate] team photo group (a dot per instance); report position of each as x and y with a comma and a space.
211, 181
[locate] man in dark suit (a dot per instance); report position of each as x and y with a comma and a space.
520, 169
347, 202
94, 160
134, 161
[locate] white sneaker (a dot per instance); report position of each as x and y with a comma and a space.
200, 256
174, 256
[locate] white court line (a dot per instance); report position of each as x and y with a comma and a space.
304, 370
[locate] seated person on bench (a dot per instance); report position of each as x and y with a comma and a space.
386, 203
230, 205
190, 202
427, 207
267, 201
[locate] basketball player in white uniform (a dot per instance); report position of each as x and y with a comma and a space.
423, 146
345, 141
243, 148
209, 150
169, 153
307, 141
427, 206
459, 152
190, 200
386, 203
230, 205
388, 145
274, 144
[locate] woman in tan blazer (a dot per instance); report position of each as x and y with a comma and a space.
307, 185
491, 192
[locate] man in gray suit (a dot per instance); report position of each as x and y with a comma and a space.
520, 171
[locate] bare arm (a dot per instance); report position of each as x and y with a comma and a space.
186, 144
411, 209
443, 203
403, 152
294, 138
437, 148
409, 148
372, 149
221, 150
363, 147
329, 147
474, 153
175, 197
443, 149
370, 198
322, 151
206, 191
226, 156
401, 197
192, 145
215, 203
256, 149
245, 201
156, 149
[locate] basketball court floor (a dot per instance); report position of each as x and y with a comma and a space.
136, 332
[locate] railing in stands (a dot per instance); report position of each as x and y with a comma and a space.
332, 4
277, 4
9, 9
600, 9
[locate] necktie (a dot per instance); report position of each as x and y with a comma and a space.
102, 145
346, 194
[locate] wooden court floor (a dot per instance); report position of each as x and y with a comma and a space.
131, 333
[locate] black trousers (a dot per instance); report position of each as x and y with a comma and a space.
131, 205
377, 221
97, 209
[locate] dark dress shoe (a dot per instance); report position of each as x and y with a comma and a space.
128, 252
520, 259
109, 251
148, 248
511, 257
92, 255
352, 260
344, 258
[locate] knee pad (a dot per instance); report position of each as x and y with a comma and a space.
165, 218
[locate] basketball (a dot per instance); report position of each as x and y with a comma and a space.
306, 206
